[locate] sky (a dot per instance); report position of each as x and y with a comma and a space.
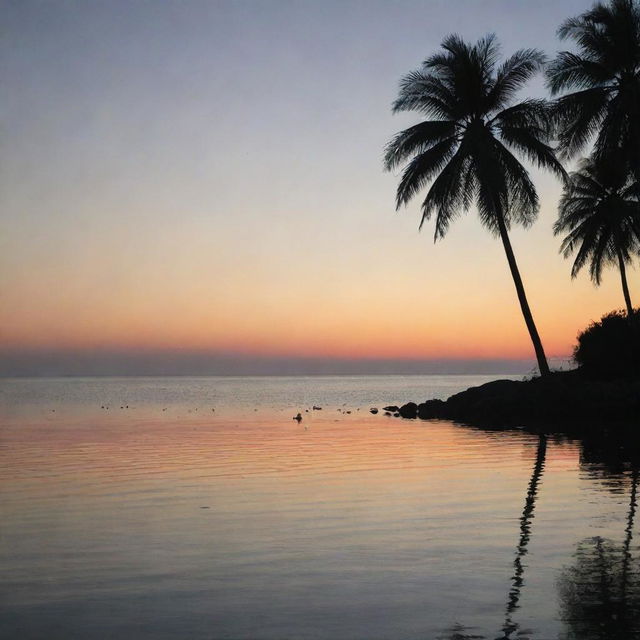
197, 187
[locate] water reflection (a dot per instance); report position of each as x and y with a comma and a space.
526, 519
460, 632
599, 593
247, 526
510, 627
610, 458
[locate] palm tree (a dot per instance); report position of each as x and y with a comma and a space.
465, 146
600, 212
604, 78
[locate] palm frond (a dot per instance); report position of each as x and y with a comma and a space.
447, 196
577, 117
422, 169
525, 128
416, 140
572, 71
512, 75
604, 75
427, 93
599, 212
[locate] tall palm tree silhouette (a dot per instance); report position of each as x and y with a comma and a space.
600, 212
465, 146
604, 81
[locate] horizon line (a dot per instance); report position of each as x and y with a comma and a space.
75, 365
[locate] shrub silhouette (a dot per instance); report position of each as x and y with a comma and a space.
610, 348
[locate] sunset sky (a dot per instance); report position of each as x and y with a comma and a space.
206, 178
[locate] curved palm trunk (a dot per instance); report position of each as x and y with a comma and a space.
625, 286
524, 305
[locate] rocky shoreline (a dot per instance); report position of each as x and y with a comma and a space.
563, 398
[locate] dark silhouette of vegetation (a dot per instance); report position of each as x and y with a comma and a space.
610, 348
604, 81
465, 147
600, 213
467, 151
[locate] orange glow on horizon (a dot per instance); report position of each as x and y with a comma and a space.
425, 303
162, 192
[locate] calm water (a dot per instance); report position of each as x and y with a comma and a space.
200, 509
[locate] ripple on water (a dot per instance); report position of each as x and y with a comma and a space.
236, 525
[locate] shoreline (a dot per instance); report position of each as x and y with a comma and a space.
568, 399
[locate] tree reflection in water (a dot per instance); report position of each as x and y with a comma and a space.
600, 593
459, 632
517, 580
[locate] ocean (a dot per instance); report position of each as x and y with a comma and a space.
198, 508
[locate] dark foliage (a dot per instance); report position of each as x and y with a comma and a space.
600, 82
465, 147
600, 214
610, 348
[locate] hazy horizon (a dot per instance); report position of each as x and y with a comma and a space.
131, 364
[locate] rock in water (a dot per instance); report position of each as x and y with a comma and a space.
431, 409
373, 410
409, 410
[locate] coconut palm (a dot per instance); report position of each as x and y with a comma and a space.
465, 146
604, 80
600, 213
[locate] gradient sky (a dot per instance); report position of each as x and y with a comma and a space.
206, 177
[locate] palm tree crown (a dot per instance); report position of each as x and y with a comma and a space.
600, 213
465, 146
604, 78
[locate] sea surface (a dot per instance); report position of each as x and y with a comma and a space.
198, 508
